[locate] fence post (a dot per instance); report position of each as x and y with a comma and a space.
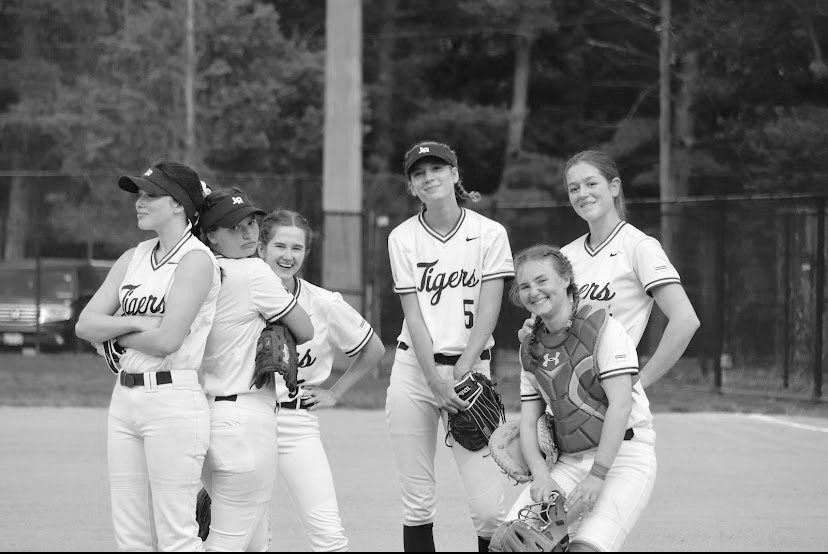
820, 298
786, 303
720, 296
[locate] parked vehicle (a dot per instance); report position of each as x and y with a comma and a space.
64, 288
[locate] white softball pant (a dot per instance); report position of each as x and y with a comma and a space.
413, 421
240, 469
157, 437
626, 492
304, 467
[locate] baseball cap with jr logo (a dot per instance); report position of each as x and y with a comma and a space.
186, 191
429, 149
229, 211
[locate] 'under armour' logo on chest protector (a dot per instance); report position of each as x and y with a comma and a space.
576, 396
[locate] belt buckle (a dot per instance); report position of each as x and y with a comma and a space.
127, 379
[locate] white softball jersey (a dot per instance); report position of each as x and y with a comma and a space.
446, 273
336, 326
144, 291
620, 274
251, 295
616, 355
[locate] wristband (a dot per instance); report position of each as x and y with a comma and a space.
599, 471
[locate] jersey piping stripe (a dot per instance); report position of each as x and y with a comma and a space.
355, 350
660, 282
620, 371
437, 235
499, 275
284, 312
404, 290
297, 286
530, 397
187, 234
601, 246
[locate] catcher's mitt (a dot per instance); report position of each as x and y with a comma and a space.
472, 427
276, 353
505, 448
540, 527
203, 513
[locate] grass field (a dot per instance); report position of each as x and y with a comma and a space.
83, 380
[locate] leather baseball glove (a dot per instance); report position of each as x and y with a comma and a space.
276, 353
473, 427
203, 513
505, 448
540, 527
112, 351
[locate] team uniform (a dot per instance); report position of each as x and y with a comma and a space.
159, 423
620, 274
446, 273
303, 463
239, 470
631, 477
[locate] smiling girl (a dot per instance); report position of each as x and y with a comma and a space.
581, 364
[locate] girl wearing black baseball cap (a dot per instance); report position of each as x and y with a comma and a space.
150, 320
238, 472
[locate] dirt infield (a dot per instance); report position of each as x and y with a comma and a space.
726, 482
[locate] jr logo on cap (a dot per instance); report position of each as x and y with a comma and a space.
423, 150
148, 172
238, 200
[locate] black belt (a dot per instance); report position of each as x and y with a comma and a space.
292, 405
444, 359
629, 434
231, 398
130, 380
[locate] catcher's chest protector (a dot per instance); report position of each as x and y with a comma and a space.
567, 374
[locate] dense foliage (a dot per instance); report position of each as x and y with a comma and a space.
90, 89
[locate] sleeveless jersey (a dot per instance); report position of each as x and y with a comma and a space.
143, 292
446, 272
251, 295
336, 326
614, 355
620, 274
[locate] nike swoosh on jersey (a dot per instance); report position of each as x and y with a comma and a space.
615, 254
471, 238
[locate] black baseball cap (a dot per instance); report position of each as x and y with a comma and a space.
229, 211
189, 193
429, 149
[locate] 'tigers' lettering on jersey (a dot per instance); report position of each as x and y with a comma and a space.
438, 282
307, 360
590, 292
142, 305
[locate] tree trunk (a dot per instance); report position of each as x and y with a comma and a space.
17, 221
658, 321
520, 92
384, 122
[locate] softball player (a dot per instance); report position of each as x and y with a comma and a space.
284, 243
165, 292
449, 265
621, 268
239, 468
606, 466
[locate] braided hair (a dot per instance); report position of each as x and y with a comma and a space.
562, 267
459, 190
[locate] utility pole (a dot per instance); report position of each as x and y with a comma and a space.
342, 157
189, 85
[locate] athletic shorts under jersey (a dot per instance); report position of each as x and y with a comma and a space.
250, 295
336, 327
144, 292
446, 272
615, 356
620, 274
